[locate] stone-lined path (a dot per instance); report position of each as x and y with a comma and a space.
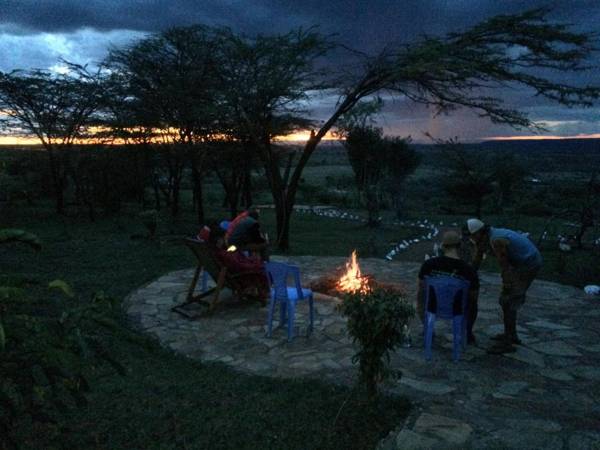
546, 395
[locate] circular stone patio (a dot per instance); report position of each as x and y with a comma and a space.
547, 394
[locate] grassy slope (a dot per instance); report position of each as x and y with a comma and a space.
167, 401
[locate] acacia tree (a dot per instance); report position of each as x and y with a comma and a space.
400, 161
365, 146
470, 177
458, 70
54, 107
380, 164
509, 175
171, 78
267, 78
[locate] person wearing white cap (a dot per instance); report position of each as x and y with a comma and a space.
520, 262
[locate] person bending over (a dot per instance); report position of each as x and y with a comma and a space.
450, 264
520, 261
244, 233
250, 270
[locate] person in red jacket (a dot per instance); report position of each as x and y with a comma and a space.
250, 269
244, 232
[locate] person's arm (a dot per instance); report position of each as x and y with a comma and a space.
500, 248
476, 261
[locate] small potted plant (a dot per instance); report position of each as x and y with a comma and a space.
376, 319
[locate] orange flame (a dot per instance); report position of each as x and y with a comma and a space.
353, 280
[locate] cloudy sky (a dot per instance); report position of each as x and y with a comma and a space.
36, 33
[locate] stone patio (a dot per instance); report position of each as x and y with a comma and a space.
546, 395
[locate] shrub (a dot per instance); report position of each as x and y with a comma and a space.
375, 322
45, 360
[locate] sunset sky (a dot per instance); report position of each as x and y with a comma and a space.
36, 33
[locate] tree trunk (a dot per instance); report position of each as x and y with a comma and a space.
397, 203
198, 194
372, 207
247, 189
283, 196
283, 212
156, 189
57, 181
175, 197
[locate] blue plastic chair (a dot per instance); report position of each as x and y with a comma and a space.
446, 289
286, 296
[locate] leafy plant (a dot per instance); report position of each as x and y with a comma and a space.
14, 235
375, 322
45, 359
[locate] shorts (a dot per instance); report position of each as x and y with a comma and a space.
514, 287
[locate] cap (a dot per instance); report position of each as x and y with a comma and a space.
474, 225
451, 239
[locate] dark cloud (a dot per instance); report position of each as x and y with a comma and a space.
359, 20
35, 33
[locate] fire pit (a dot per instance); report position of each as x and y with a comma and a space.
351, 279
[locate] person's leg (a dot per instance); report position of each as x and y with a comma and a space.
472, 315
510, 325
507, 297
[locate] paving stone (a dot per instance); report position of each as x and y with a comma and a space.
556, 348
409, 440
512, 387
495, 329
587, 372
547, 426
501, 396
513, 439
435, 388
548, 325
257, 367
566, 334
528, 356
584, 441
595, 348
331, 364
447, 429
556, 374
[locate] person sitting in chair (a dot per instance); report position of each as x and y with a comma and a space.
450, 264
249, 270
244, 232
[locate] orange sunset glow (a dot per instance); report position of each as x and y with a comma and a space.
304, 135
31, 140
542, 138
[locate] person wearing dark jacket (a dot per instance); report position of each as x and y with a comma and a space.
450, 264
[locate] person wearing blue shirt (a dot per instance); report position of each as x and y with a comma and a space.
520, 261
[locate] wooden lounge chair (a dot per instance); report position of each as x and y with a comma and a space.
210, 298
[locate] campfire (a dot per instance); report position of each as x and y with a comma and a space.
350, 279
353, 280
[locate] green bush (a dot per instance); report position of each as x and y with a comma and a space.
46, 359
375, 322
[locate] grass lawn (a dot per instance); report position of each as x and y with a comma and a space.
165, 400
